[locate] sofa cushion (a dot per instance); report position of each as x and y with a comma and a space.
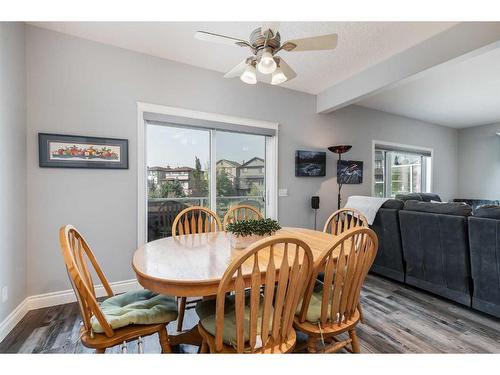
408, 197
395, 204
456, 209
136, 307
490, 211
476, 203
427, 197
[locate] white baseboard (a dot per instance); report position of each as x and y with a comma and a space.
57, 298
13, 318
67, 296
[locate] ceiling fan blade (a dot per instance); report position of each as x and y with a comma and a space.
315, 43
218, 38
269, 26
289, 72
237, 70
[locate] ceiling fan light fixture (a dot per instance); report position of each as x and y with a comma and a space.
249, 76
278, 77
266, 65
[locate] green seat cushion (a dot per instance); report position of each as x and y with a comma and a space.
137, 307
206, 313
313, 314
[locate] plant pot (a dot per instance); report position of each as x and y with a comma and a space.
239, 242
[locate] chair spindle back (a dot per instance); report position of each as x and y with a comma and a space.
343, 220
241, 212
196, 219
284, 285
345, 266
77, 254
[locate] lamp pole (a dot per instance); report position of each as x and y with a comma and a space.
340, 149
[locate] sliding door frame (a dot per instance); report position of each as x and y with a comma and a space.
271, 169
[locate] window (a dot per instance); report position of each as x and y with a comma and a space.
400, 170
197, 166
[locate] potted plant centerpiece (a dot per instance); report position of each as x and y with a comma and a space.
246, 232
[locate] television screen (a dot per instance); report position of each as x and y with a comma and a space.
310, 163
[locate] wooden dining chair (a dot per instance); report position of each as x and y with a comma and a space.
196, 219
118, 319
344, 219
332, 308
341, 221
266, 283
193, 220
241, 212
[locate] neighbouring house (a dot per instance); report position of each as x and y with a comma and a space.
161, 174
251, 173
229, 167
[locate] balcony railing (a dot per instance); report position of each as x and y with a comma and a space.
162, 211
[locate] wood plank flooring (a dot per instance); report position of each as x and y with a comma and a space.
398, 319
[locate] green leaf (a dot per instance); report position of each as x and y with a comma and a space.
260, 227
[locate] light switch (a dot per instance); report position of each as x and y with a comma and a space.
283, 192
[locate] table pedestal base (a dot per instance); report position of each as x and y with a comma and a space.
190, 337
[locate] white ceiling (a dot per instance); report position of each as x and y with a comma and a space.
361, 44
464, 94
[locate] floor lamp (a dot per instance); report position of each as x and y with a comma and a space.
340, 149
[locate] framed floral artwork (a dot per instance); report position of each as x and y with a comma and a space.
71, 151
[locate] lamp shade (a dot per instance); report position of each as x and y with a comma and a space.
340, 149
266, 64
278, 77
249, 75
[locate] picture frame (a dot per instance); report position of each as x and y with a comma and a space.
75, 151
310, 163
349, 172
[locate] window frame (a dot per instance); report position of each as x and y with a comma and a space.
402, 148
271, 173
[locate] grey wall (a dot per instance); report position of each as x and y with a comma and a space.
13, 165
82, 87
358, 126
479, 161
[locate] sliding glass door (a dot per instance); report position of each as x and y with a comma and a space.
240, 165
180, 174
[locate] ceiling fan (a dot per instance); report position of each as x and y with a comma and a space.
265, 43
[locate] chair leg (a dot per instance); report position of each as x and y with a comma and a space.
355, 341
100, 351
204, 347
311, 344
182, 310
361, 317
165, 345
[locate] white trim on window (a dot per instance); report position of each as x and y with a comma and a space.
271, 153
213, 171
402, 146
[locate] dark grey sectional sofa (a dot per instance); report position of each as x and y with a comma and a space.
389, 261
484, 235
436, 248
441, 248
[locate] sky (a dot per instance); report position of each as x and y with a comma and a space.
177, 147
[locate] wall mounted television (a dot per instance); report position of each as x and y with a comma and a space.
310, 163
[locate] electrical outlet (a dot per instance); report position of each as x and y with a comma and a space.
5, 294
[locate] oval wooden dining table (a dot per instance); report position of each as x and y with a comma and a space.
193, 265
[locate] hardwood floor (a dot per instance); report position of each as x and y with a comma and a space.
398, 319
